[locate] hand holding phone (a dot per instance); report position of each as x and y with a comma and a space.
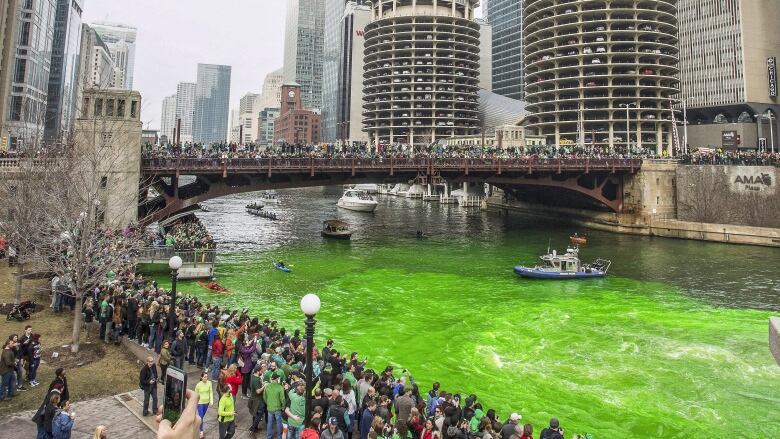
175, 390
188, 424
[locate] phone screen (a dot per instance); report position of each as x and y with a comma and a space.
175, 391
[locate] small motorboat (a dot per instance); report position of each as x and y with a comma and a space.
270, 197
336, 229
254, 208
578, 240
565, 266
213, 286
356, 200
204, 209
282, 267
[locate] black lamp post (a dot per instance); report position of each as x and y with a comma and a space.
174, 264
310, 305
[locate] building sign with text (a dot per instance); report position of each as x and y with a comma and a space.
753, 179
771, 64
728, 140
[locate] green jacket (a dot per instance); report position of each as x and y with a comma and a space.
7, 361
226, 408
255, 384
273, 395
280, 372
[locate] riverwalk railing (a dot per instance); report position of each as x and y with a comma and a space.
161, 255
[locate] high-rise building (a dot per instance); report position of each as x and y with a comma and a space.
249, 112
266, 123
485, 55
601, 74
421, 71
120, 39
64, 77
349, 117
212, 103
271, 94
303, 48
331, 57
728, 71
96, 67
185, 110
30, 79
506, 20
296, 125
168, 117
8, 22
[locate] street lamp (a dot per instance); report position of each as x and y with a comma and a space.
310, 305
628, 129
174, 264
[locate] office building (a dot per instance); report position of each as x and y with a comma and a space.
728, 58
331, 58
266, 123
168, 118
64, 77
234, 136
96, 67
506, 21
212, 103
271, 94
349, 119
421, 71
303, 48
249, 112
30, 79
296, 125
185, 111
602, 75
120, 39
485, 55
8, 21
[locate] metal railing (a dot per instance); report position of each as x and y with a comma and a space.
161, 255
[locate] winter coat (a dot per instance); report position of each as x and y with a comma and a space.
246, 356
62, 425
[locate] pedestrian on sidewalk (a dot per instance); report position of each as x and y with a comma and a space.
48, 415
62, 424
35, 359
216, 358
246, 364
226, 414
178, 349
7, 371
234, 379
148, 382
101, 432
274, 400
164, 360
205, 392
256, 405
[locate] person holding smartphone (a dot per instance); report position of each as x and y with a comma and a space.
148, 382
554, 431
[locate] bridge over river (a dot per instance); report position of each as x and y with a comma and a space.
600, 180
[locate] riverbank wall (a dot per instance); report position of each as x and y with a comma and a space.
647, 225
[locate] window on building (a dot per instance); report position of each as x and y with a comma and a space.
110, 107
98, 107
85, 107
16, 108
103, 182
21, 69
120, 108
133, 109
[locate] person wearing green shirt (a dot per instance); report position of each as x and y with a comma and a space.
272, 368
226, 413
350, 375
273, 395
296, 411
205, 397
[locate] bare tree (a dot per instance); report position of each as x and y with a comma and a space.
700, 194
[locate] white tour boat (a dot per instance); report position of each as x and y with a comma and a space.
356, 200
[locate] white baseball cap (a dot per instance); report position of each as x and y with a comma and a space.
515, 417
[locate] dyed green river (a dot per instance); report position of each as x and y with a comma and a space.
672, 344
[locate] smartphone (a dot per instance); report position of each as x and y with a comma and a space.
175, 392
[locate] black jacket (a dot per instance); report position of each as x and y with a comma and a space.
549, 433
148, 374
48, 416
178, 348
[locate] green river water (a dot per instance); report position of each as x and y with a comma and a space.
673, 344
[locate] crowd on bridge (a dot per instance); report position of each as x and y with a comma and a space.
261, 363
721, 157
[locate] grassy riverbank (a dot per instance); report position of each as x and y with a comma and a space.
106, 369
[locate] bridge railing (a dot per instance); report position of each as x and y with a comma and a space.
344, 164
159, 255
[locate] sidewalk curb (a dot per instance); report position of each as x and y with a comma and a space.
140, 418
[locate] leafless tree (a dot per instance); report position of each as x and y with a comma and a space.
700, 194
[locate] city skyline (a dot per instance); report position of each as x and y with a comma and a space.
159, 67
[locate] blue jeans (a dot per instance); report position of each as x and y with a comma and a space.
215, 363
8, 385
152, 335
294, 432
31, 374
41, 432
274, 418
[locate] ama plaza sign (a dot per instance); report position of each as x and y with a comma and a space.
753, 179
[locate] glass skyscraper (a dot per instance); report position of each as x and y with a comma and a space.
212, 103
506, 18
63, 79
303, 48
334, 10
120, 40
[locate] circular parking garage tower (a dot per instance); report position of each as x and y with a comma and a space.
601, 73
421, 71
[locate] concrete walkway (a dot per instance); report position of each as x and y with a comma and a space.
123, 413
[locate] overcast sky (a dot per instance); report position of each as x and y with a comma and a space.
175, 35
